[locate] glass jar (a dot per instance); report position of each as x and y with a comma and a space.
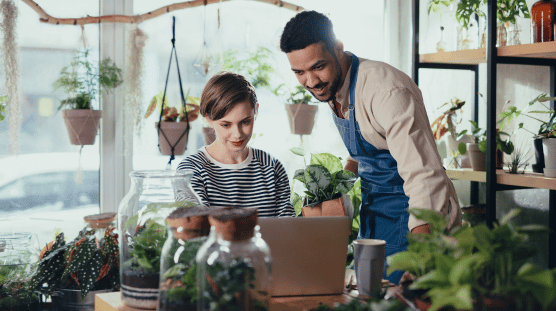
98, 223
188, 229
16, 252
233, 271
542, 21
153, 195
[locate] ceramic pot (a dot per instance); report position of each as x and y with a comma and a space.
172, 134
82, 125
209, 135
549, 151
453, 145
539, 156
71, 300
341, 206
478, 158
301, 118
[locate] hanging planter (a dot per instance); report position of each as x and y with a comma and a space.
301, 115
172, 134
82, 125
82, 81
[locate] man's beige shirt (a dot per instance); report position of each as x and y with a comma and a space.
391, 115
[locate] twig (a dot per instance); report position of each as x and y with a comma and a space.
135, 19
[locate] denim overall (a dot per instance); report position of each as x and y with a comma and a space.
383, 210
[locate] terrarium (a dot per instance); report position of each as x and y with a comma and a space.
142, 214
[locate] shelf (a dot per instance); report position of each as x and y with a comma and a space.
473, 57
530, 180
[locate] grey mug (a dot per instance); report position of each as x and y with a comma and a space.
369, 264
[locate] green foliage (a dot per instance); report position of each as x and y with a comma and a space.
479, 134
146, 247
14, 285
299, 95
546, 128
255, 66
459, 267
82, 81
324, 179
228, 287
3, 102
84, 263
506, 10
375, 304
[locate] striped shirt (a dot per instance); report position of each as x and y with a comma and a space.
260, 181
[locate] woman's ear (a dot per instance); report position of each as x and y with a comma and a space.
256, 111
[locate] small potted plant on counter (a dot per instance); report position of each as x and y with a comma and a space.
173, 128
83, 81
327, 185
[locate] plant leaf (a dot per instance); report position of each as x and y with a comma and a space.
298, 151
329, 161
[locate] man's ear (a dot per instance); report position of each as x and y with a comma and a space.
339, 49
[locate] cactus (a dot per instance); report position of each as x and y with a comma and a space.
84, 263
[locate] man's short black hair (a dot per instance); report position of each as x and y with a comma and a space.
306, 28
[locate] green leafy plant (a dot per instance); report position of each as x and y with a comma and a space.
546, 128
460, 268
255, 66
299, 95
374, 304
479, 135
189, 113
85, 264
83, 81
324, 179
15, 291
3, 102
146, 247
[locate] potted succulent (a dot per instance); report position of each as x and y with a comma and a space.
327, 185
83, 81
72, 273
475, 268
173, 128
547, 129
446, 123
301, 114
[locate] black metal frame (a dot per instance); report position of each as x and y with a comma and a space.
492, 60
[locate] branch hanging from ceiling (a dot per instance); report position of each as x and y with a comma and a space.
135, 19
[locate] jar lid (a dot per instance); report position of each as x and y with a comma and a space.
189, 222
234, 223
99, 221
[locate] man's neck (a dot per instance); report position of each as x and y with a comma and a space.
345, 63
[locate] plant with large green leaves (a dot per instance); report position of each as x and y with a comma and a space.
546, 128
255, 66
472, 263
479, 135
85, 264
324, 179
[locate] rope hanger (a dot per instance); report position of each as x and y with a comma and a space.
135, 19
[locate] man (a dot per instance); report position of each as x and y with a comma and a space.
380, 115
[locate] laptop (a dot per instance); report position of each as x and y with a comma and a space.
308, 254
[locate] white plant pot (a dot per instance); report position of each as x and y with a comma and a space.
549, 151
453, 145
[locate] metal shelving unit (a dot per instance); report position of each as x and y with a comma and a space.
539, 54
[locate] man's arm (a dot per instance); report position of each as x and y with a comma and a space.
421, 229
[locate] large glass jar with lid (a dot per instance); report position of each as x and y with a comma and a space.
233, 271
542, 21
188, 229
153, 195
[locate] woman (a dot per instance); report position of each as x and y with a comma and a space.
228, 172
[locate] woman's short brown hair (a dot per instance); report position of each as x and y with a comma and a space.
223, 91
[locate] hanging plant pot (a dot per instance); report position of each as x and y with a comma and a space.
209, 135
335, 207
82, 125
301, 118
172, 134
478, 158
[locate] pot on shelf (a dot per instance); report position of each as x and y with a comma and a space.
175, 132
301, 118
71, 300
539, 156
478, 158
453, 145
549, 151
82, 125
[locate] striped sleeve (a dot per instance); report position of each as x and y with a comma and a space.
283, 194
196, 163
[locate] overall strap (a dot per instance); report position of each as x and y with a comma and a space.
183, 98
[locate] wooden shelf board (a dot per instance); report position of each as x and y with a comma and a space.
465, 57
533, 50
529, 179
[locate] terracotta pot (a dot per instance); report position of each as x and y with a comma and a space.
82, 125
171, 133
336, 207
478, 158
209, 135
301, 118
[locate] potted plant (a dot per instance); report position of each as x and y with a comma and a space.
546, 128
256, 66
301, 114
478, 149
326, 184
83, 81
15, 293
446, 123
173, 128
476, 268
72, 273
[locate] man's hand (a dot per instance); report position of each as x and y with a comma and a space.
421, 229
